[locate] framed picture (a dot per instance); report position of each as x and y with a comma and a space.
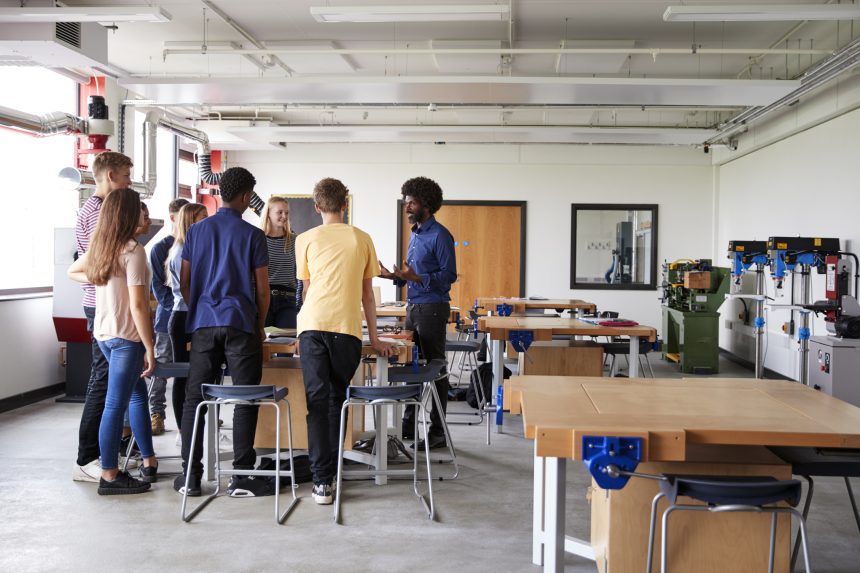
303, 216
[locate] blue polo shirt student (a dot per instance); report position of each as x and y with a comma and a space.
224, 280
428, 271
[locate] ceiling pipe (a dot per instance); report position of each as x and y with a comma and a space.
54, 123
247, 35
653, 52
844, 60
154, 120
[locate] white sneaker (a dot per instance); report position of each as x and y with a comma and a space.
133, 462
179, 438
91, 472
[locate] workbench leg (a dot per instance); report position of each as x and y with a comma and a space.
537, 510
498, 373
633, 368
382, 422
554, 509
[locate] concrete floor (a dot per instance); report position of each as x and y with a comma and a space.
50, 523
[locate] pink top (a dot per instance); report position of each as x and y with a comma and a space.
113, 304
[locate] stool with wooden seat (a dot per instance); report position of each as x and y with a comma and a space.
271, 396
723, 494
390, 396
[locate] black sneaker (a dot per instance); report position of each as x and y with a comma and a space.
322, 493
194, 489
251, 486
149, 474
122, 484
436, 442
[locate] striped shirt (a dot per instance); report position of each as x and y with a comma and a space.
88, 216
282, 262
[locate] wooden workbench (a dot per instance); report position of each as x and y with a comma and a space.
675, 418
520, 305
399, 311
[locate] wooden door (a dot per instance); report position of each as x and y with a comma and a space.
488, 241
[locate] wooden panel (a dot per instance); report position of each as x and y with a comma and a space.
560, 358
284, 372
698, 541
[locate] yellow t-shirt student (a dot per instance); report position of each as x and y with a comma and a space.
335, 258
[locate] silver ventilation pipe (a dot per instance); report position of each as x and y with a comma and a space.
823, 72
54, 123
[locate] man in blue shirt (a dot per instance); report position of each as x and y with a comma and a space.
164, 296
428, 271
225, 282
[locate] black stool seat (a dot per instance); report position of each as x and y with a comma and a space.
819, 462
624, 347
247, 393
411, 375
462, 346
732, 490
408, 392
171, 370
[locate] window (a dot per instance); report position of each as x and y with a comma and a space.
34, 201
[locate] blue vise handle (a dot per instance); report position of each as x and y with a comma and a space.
521, 339
457, 322
611, 460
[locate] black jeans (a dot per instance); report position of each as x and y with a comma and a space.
243, 353
94, 404
329, 360
179, 339
429, 323
282, 310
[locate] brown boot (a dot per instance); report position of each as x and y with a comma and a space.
157, 424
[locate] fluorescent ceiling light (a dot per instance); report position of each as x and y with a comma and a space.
427, 13
762, 12
84, 14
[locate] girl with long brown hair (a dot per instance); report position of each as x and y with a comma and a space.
179, 338
281, 243
116, 264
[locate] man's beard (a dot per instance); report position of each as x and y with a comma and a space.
411, 218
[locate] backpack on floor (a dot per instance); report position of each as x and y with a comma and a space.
483, 376
303, 470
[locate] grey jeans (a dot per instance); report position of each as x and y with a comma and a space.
163, 354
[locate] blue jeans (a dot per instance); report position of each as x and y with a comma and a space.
126, 389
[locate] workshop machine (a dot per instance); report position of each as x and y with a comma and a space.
797, 256
836, 357
745, 254
693, 291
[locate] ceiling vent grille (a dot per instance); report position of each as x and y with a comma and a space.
69, 33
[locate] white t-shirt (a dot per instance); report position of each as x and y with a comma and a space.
113, 304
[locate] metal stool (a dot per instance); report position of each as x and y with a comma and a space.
427, 375
725, 494
217, 395
162, 370
613, 349
409, 395
469, 350
809, 462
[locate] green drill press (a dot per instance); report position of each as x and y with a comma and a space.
693, 290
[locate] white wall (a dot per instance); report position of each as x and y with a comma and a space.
29, 353
804, 185
549, 177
